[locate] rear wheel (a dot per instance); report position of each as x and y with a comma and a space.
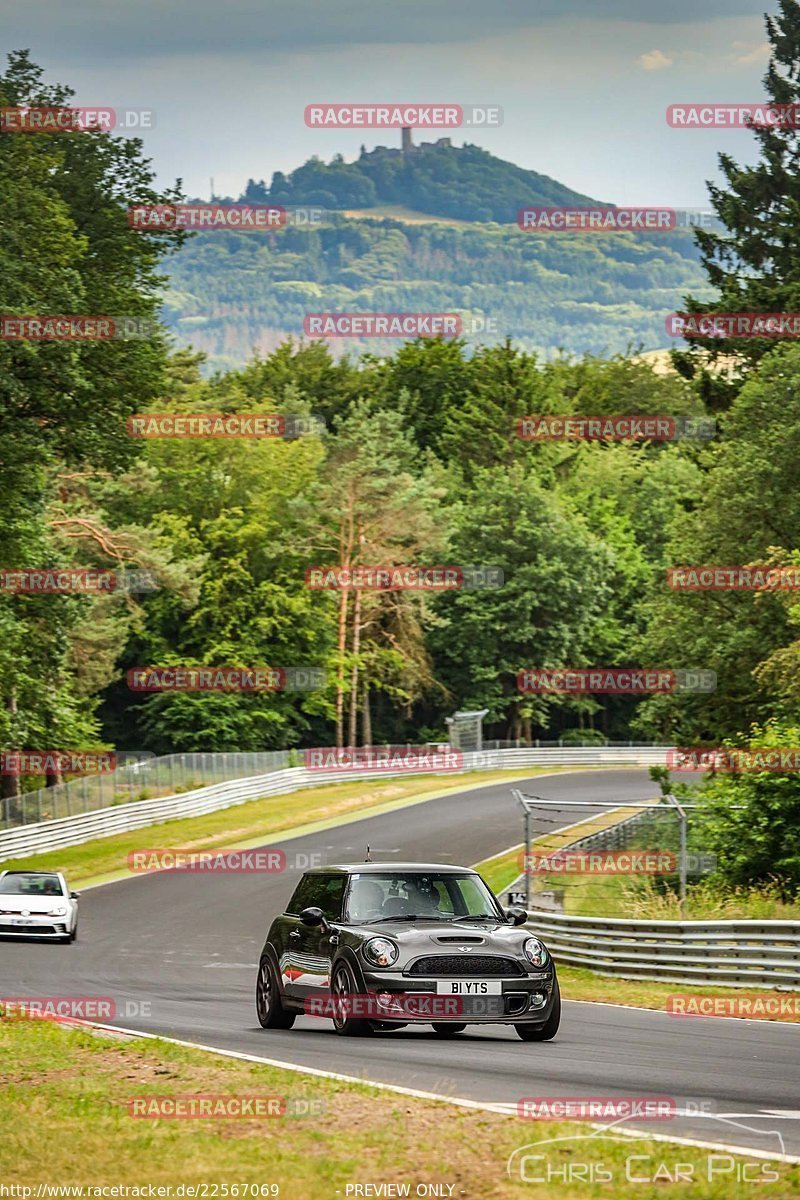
543, 1033
269, 1006
446, 1029
343, 990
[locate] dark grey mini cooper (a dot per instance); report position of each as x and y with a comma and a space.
375, 946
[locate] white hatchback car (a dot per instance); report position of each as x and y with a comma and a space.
37, 904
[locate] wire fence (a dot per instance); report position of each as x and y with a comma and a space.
539, 743
145, 778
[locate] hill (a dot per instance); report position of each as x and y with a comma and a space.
600, 293
464, 182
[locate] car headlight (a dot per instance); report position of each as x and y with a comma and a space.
58, 912
535, 952
380, 952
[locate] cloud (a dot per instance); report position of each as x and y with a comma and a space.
655, 60
753, 54
152, 30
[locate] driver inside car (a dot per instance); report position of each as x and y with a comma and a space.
423, 900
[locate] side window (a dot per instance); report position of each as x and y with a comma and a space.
318, 891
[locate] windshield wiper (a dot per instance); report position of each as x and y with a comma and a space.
402, 917
480, 917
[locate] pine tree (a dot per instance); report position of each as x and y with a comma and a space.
755, 263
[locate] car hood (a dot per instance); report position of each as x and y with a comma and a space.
488, 935
32, 904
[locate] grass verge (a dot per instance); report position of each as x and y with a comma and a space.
67, 1121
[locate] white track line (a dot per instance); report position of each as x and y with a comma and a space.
682, 1017
398, 1089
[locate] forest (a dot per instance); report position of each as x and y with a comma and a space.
409, 457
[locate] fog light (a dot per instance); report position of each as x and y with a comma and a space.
537, 999
384, 999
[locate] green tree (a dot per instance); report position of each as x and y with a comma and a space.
65, 249
750, 819
235, 512
748, 512
755, 263
377, 507
556, 586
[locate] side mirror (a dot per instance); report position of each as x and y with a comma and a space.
516, 916
74, 895
313, 916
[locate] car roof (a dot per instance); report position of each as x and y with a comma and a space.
373, 868
25, 871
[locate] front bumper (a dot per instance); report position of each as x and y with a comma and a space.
415, 1000
38, 926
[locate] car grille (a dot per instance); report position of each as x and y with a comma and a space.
32, 930
450, 966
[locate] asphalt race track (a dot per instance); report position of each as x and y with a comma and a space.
187, 945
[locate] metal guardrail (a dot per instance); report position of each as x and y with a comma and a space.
121, 818
726, 953
729, 953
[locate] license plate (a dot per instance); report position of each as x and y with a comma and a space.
21, 921
468, 987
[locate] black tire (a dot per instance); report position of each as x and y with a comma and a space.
544, 1033
269, 1006
73, 937
446, 1029
343, 986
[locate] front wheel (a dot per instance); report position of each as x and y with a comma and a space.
343, 989
269, 1006
544, 1033
445, 1029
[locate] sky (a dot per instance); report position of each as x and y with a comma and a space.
583, 84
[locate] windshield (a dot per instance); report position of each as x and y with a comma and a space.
22, 883
407, 894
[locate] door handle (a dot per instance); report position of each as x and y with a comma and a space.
294, 934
